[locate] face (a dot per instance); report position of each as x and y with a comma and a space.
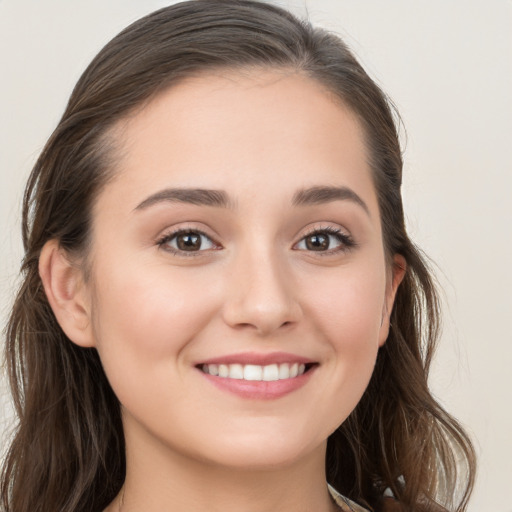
239, 291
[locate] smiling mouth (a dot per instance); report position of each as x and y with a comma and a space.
252, 372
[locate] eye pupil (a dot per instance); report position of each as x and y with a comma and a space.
317, 242
189, 242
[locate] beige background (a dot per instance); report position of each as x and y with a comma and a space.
447, 64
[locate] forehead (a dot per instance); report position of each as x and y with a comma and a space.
241, 130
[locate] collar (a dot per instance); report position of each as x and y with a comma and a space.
345, 504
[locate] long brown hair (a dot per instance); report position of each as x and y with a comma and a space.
67, 454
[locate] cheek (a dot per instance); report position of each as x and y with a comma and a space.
145, 318
347, 310
348, 306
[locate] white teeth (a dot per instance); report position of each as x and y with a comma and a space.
284, 371
236, 371
255, 372
271, 372
214, 369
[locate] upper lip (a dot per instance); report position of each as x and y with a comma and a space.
258, 359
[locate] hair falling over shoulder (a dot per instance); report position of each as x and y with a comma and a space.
67, 452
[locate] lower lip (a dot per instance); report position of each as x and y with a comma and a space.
259, 389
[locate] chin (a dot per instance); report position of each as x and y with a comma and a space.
259, 452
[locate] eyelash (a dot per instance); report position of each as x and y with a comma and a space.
346, 241
174, 234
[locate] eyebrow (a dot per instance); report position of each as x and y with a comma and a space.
197, 196
220, 199
326, 194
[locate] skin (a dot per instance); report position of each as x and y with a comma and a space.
254, 286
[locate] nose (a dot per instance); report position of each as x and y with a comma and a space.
261, 295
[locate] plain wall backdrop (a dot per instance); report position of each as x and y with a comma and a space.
447, 65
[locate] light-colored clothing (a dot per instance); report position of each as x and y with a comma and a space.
389, 504
344, 503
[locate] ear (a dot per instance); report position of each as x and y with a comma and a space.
66, 292
399, 269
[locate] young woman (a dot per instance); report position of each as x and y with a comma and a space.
221, 308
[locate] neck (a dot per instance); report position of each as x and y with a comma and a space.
160, 479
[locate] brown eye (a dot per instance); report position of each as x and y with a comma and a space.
325, 240
187, 241
317, 242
